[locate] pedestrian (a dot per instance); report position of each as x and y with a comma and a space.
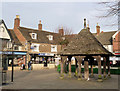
22, 66
29, 65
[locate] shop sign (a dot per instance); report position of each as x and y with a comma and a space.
46, 54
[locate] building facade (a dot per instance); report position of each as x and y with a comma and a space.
40, 45
111, 41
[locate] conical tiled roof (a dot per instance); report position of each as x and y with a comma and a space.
85, 43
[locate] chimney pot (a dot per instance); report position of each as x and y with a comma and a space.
16, 22
102, 32
98, 29
40, 21
61, 31
40, 25
17, 16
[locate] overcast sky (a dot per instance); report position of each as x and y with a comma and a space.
56, 14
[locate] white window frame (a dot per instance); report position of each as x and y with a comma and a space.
35, 35
9, 44
53, 48
50, 37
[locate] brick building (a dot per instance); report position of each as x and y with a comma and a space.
9, 46
111, 41
40, 45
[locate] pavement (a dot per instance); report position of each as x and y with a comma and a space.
49, 79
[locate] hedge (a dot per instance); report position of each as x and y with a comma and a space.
95, 70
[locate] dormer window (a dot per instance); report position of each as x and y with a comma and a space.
34, 35
50, 37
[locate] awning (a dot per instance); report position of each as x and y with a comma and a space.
15, 53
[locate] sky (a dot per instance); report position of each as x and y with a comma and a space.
57, 14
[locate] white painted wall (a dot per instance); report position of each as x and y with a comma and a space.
109, 48
36, 47
3, 32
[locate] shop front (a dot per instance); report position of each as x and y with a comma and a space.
43, 60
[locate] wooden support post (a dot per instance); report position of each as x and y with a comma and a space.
79, 66
62, 75
91, 71
69, 69
76, 67
108, 64
104, 67
79, 58
99, 69
91, 61
86, 70
69, 59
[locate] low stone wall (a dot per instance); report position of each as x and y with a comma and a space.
15, 68
35, 67
41, 66
51, 65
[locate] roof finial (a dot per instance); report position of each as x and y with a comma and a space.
84, 23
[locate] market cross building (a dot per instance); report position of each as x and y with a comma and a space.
85, 47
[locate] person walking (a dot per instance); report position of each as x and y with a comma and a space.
29, 65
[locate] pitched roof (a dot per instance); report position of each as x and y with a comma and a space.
14, 37
41, 36
2, 21
105, 38
84, 43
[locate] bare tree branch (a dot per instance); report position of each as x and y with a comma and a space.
67, 31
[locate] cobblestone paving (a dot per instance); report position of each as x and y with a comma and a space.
49, 79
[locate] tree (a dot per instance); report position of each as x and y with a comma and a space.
67, 31
112, 9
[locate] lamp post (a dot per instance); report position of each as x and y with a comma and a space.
12, 62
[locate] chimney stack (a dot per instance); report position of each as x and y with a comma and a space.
17, 32
84, 23
17, 22
98, 29
61, 31
40, 26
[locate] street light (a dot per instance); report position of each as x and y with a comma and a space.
12, 61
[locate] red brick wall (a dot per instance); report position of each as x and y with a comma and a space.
116, 43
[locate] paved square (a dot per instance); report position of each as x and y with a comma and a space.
49, 79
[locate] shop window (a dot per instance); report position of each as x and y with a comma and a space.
16, 48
